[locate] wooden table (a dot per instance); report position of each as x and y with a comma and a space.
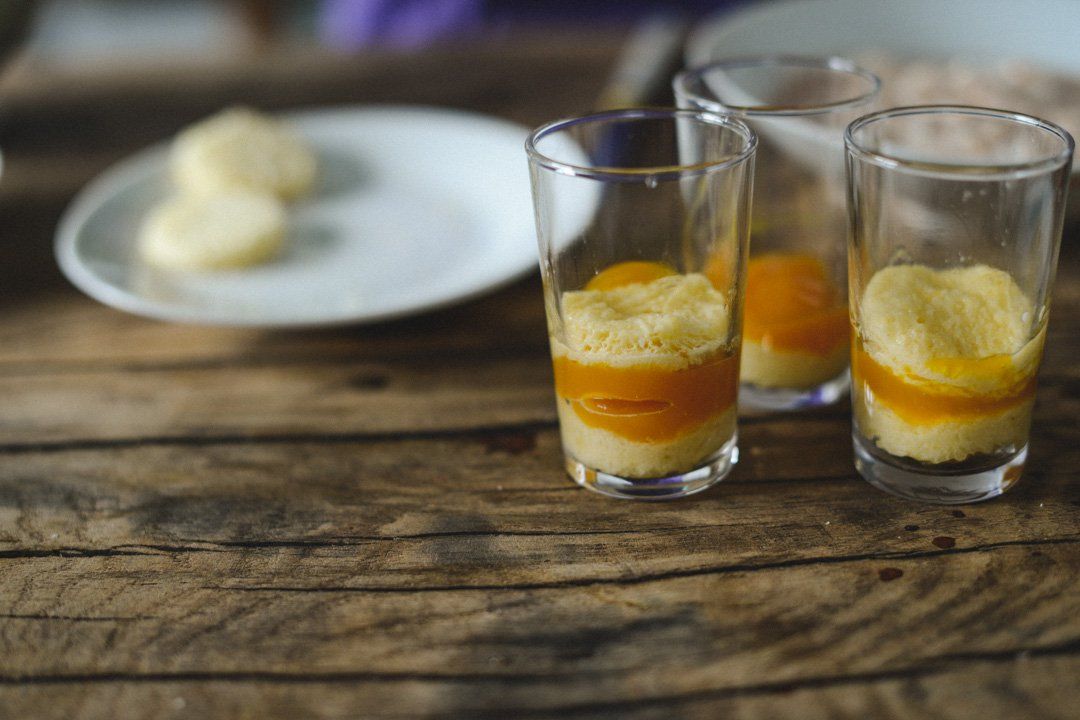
373, 521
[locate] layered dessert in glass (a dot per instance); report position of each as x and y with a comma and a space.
944, 364
633, 209
795, 345
795, 323
645, 377
951, 257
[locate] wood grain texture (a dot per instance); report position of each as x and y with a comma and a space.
970, 689
373, 522
420, 564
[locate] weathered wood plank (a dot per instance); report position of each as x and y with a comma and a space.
345, 399
538, 555
437, 393
773, 447
481, 509
1023, 687
544, 649
59, 331
1026, 687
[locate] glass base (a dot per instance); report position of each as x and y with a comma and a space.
715, 469
940, 484
774, 398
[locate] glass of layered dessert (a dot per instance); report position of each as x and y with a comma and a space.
795, 330
956, 216
643, 221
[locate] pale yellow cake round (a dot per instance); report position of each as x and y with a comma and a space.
947, 441
603, 450
240, 148
945, 362
772, 368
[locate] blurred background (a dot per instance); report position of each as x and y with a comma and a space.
84, 83
66, 46
94, 35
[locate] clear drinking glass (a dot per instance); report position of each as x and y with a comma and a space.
795, 327
956, 216
642, 218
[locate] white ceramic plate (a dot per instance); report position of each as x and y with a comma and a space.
415, 208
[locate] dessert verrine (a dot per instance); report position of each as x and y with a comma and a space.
944, 364
795, 343
645, 373
795, 323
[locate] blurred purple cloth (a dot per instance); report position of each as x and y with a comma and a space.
352, 24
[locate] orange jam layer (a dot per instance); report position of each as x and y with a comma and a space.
719, 268
628, 273
792, 305
924, 402
647, 403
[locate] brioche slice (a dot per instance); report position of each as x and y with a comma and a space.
231, 230
678, 320
242, 149
963, 327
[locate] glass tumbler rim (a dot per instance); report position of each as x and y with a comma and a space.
641, 174
1044, 163
825, 62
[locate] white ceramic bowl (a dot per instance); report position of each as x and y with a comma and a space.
977, 30
977, 33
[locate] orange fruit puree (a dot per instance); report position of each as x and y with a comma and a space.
922, 402
627, 273
645, 402
718, 268
792, 305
